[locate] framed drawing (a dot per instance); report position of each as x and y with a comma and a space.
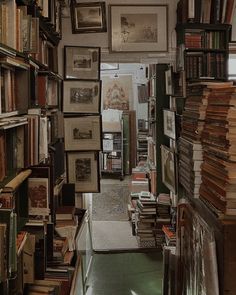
38, 191
83, 170
169, 123
168, 165
82, 97
88, 17
81, 63
117, 93
83, 133
128, 34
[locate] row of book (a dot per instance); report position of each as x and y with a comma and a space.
198, 38
205, 11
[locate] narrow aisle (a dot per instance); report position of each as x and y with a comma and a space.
126, 274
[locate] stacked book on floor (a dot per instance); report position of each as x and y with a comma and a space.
219, 143
145, 219
190, 161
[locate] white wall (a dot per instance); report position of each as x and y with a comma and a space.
101, 39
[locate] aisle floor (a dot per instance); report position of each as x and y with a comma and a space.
126, 274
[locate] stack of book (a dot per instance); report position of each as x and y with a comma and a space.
163, 217
170, 235
146, 219
190, 161
195, 111
61, 254
219, 144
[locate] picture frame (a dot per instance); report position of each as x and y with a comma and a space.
82, 97
169, 82
88, 17
83, 170
168, 168
83, 133
38, 192
128, 34
81, 63
169, 123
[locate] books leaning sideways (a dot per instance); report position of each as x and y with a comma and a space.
219, 145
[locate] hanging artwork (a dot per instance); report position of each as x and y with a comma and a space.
117, 92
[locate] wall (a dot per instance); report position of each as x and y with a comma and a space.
101, 39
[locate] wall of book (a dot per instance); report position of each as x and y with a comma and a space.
205, 145
38, 224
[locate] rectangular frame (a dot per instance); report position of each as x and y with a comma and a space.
128, 34
88, 17
82, 97
83, 133
82, 63
83, 170
38, 191
168, 168
169, 123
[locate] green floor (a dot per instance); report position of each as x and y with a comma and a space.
126, 274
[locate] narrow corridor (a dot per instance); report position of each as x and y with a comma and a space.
126, 274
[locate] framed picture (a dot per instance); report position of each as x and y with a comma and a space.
169, 82
169, 123
38, 192
83, 133
168, 165
83, 170
82, 97
128, 34
88, 17
81, 63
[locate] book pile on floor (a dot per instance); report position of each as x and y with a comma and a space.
190, 161
163, 217
219, 145
145, 219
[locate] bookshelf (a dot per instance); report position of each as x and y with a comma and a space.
32, 170
204, 223
112, 154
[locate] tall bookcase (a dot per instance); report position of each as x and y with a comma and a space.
203, 35
31, 146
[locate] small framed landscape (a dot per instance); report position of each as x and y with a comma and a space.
82, 97
83, 133
81, 63
168, 165
88, 17
83, 170
169, 123
129, 34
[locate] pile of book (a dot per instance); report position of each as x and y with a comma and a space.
145, 221
190, 161
219, 143
195, 111
163, 217
170, 235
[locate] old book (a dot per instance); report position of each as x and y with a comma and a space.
17, 181
3, 252
65, 213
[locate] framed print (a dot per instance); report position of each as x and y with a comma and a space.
168, 168
81, 63
88, 17
83, 170
38, 191
128, 34
82, 97
83, 133
169, 123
